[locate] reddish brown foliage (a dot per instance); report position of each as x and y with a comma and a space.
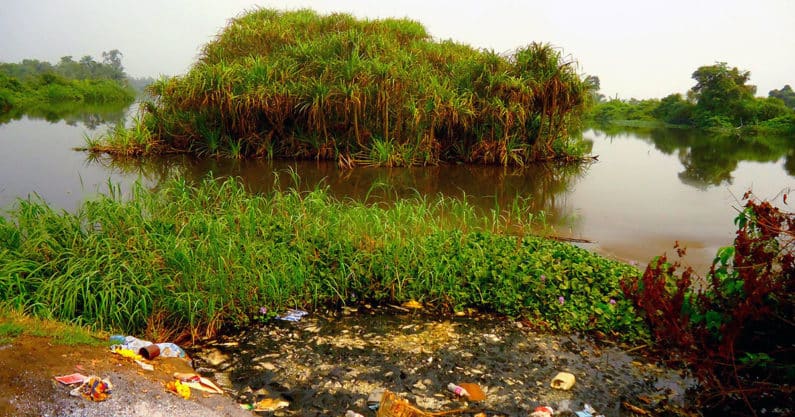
737, 330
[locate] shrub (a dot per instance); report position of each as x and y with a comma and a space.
736, 328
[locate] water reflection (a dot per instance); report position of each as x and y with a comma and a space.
543, 187
708, 158
649, 188
90, 116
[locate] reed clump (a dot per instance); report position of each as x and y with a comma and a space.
200, 256
302, 85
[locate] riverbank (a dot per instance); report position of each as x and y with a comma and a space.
187, 259
34, 351
332, 361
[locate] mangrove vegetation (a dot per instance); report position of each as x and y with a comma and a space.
298, 84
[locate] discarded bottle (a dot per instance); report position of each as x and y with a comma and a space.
351, 413
457, 390
374, 399
587, 411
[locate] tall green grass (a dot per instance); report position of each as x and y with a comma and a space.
300, 84
200, 256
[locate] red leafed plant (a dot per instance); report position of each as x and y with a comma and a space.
735, 328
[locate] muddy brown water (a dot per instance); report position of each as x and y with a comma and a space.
648, 189
327, 364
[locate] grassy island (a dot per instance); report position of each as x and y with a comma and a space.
298, 84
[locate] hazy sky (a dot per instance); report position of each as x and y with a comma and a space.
637, 48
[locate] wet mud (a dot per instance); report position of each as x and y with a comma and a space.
326, 364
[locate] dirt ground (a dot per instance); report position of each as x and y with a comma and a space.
326, 364
29, 364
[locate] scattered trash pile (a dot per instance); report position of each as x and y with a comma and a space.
386, 403
144, 354
324, 364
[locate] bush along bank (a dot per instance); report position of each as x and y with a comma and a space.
50, 90
382, 92
735, 329
721, 101
198, 257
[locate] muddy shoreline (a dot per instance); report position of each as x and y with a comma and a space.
328, 363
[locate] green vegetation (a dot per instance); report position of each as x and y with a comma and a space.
300, 85
721, 100
785, 94
14, 323
734, 328
37, 86
198, 257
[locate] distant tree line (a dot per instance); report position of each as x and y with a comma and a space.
86, 68
720, 99
33, 83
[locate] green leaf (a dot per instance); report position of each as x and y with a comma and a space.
724, 255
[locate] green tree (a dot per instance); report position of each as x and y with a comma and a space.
595, 85
112, 65
721, 92
674, 109
785, 94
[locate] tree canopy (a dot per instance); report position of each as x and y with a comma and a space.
722, 91
86, 68
785, 94
721, 98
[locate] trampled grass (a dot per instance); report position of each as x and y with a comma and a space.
200, 256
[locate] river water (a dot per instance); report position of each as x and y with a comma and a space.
648, 188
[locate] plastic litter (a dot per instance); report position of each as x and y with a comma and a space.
198, 382
293, 315
177, 387
128, 342
145, 366
374, 399
76, 378
146, 348
542, 411
475, 393
587, 411
93, 388
125, 353
563, 380
394, 406
268, 404
171, 350
457, 390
